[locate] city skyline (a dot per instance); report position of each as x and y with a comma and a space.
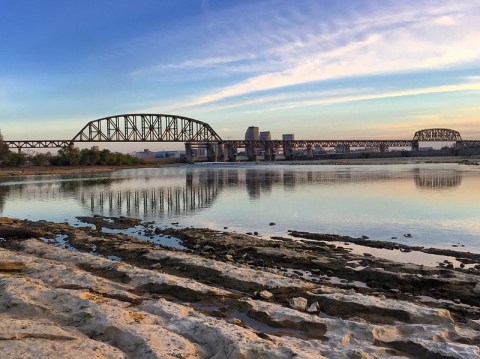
348, 69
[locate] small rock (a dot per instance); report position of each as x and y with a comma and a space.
313, 308
272, 224
265, 294
12, 266
298, 303
229, 257
474, 324
255, 233
476, 290
457, 301
208, 248
365, 237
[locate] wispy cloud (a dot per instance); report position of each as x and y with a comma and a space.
419, 37
380, 95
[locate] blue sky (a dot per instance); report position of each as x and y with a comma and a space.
319, 69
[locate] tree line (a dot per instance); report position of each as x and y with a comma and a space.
66, 156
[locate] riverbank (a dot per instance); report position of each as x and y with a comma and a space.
89, 292
76, 170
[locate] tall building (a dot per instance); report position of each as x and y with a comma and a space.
265, 136
253, 133
288, 137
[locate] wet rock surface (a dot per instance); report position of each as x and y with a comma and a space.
103, 295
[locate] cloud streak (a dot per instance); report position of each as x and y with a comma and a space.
415, 39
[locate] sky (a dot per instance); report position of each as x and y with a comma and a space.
344, 69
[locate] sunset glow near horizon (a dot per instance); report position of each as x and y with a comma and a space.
319, 69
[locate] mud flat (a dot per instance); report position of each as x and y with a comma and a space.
86, 292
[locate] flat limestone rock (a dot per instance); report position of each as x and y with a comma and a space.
232, 272
159, 303
11, 266
22, 338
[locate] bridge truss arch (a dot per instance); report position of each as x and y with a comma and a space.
437, 134
146, 128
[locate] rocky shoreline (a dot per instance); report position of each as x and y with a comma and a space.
90, 292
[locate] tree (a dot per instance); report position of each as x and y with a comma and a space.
13, 159
3, 147
41, 159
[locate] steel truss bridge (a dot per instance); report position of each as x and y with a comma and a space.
173, 128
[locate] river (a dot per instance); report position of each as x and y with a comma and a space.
427, 204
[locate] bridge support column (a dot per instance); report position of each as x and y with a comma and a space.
310, 152
251, 152
347, 148
459, 145
268, 153
288, 151
383, 147
220, 152
189, 158
211, 154
415, 145
231, 152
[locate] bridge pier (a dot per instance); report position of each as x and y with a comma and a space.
288, 151
220, 152
269, 153
251, 152
188, 153
415, 145
309, 152
459, 145
211, 154
231, 152
383, 147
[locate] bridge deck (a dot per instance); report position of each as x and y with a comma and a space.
21, 144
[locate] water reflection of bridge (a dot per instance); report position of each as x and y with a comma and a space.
155, 196
437, 180
156, 202
104, 198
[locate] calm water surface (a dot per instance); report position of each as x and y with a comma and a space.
438, 204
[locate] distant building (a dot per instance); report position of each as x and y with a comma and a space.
265, 136
170, 154
146, 153
288, 137
253, 133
